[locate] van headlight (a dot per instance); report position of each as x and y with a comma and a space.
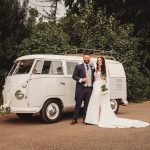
19, 94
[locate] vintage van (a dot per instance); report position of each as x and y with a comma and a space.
43, 83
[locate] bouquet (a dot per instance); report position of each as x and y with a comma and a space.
104, 89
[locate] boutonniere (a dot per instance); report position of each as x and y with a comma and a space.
92, 67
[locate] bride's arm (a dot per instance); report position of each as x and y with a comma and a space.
107, 76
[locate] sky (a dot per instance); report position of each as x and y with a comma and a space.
40, 5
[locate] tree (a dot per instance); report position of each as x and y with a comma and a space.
99, 30
13, 29
53, 7
126, 12
31, 21
46, 38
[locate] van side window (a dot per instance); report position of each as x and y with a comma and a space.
52, 68
38, 67
70, 67
46, 67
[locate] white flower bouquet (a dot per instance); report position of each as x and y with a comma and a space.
104, 90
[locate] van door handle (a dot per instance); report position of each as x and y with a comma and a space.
24, 86
63, 83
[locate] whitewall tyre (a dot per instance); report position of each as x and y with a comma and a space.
114, 105
51, 111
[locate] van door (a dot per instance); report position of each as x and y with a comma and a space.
15, 89
47, 81
70, 84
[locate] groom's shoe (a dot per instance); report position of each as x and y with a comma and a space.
74, 121
84, 122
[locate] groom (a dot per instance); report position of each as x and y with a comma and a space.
84, 76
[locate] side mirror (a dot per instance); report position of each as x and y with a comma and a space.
34, 71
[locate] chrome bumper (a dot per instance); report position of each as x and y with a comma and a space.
124, 102
4, 109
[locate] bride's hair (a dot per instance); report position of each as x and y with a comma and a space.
103, 67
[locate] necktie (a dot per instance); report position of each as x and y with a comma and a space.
87, 67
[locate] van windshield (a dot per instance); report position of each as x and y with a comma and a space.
21, 67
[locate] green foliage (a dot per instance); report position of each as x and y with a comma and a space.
31, 21
85, 30
138, 84
14, 27
12, 31
92, 29
89, 24
126, 47
46, 37
125, 12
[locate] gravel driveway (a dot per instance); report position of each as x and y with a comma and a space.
16, 134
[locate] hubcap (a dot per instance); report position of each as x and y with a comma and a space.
113, 104
52, 111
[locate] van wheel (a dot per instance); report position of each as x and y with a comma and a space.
24, 116
114, 105
51, 111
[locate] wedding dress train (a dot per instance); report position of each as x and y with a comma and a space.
100, 113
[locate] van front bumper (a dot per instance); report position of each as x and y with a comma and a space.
4, 109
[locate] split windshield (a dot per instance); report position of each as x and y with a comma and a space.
21, 67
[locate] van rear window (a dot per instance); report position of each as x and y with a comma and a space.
70, 67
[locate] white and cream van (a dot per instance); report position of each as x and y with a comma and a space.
43, 83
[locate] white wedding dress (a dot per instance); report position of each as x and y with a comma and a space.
100, 113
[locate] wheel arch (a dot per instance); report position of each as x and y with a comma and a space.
55, 99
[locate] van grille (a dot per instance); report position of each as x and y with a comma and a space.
119, 84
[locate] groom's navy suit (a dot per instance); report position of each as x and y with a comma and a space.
82, 93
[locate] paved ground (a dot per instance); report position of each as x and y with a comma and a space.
16, 134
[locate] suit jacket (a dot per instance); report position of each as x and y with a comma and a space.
79, 72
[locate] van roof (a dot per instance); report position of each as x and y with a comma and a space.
58, 57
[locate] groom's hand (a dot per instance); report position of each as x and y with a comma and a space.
104, 77
85, 80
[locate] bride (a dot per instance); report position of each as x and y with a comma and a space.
99, 110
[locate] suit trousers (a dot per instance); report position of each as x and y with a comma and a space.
84, 95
